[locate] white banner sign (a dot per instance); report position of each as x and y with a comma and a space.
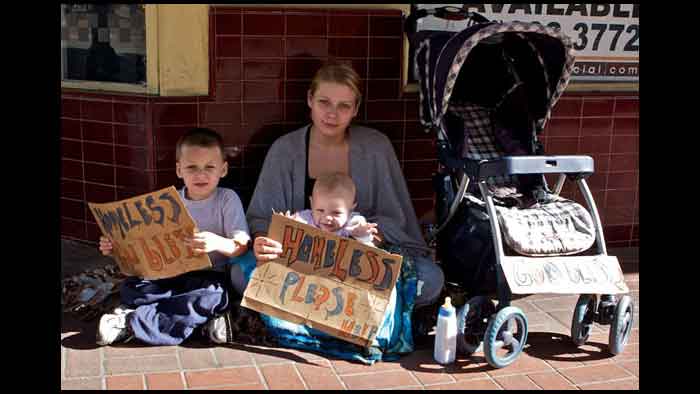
605, 36
564, 275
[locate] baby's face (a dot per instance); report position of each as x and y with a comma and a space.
330, 210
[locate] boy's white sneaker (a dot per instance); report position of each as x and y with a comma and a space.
113, 328
215, 329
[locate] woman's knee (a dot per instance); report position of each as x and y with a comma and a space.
430, 281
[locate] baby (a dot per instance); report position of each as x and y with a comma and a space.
332, 201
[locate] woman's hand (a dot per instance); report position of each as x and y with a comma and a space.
106, 246
266, 249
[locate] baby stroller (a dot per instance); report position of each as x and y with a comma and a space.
487, 92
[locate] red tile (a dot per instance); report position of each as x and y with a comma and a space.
626, 126
262, 47
175, 114
342, 25
626, 106
198, 358
131, 157
270, 90
134, 135
384, 380
268, 69
124, 382
296, 112
348, 47
562, 128
598, 107
596, 182
70, 129
422, 206
567, 107
129, 113
228, 69
411, 109
302, 68
619, 215
415, 130
228, 46
165, 381
71, 149
263, 24
616, 198
615, 233
319, 376
96, 110
228, 91
383, 89
624, 162
359, 65
306, 24
72, 189
385, 26
305, 47
168, 136
71, 169
384, 68
601, 162
420, 188
229, 23
551, 381
223, 376
70, 108
596, 126
625, 144
420, 150
393, 130
385, 47
98, 132
219, 113
595, 145
626, 384
596, 373
257, 113
622, 180
384, 110
72, 209
75, 229
562, 146
98, 173
164, 158
131, 178
476, 384
296, 90
282, 377
516, 382
99, 153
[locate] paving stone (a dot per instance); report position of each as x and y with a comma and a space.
197, 358
383, 380
83, 363
320, 376
627, 384
516, 382
595, 373
222, 376
124, 382
82, 384
282, 377
551, 381
141, 364
165, 381
474, 384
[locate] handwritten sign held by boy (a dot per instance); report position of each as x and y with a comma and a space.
148, 234
333, 284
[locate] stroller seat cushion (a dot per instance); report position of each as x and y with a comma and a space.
560, 227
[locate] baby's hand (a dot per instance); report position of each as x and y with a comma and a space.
106, 246
360, 228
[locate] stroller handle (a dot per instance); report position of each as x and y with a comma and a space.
446, 12
579, 166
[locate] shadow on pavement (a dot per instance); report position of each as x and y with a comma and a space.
558, 347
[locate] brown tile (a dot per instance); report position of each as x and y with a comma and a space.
420, 150
222, 376
385, 110
130, 178
551, 381
70, 108
197, 358
302, 68
72, 228
567, 107
348, 25
385, 26
70, 129
264, 69
623, 180
98, 132
384, 68
422, 206
263, 24
131, 157
617, 232
82, 384
516, 382
595, 145
228, 46
306, 24
167, 136
617, 198
476, 384
420, 188
72, 209
96, 110
319, 376
99, 194
562, 146
383, 89
134, 135
71, 149
348, 47
305, 47
411, 109
100, 153
626, 126
98, 173
72, 189
82, 363
624, 162
626, 384
382, 380
420, 169
229, 23
124, 382
228, 91
596, 126
597, 107
563, 127
626, 106
385, 47
625, 144
228, 69
270, 90
282, 377
595, 373
258, 113
174, 114
262, 47
219, 113
129, 113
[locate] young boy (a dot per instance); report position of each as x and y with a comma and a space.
332, 201
166, 311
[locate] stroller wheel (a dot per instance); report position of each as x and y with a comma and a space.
582, 320
621, 325
502, 347
472, 319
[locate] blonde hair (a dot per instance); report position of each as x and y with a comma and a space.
340, 73
336, 181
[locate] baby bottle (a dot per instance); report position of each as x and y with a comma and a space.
446, 334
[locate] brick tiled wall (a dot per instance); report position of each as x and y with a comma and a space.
116, 146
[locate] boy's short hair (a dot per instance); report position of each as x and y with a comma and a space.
335, 181
202, 137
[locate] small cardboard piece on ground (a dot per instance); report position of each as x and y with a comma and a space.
148, 232
333, 284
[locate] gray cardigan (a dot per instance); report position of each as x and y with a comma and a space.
382, 194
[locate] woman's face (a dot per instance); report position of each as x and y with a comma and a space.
332, 108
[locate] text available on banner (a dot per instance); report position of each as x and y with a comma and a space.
333, 284
148, 234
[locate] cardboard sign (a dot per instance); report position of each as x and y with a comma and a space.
148, 234
564, 275
333, 284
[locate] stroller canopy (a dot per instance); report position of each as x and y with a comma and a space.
493, 65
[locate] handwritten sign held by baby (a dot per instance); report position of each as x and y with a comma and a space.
333, 284
148, 233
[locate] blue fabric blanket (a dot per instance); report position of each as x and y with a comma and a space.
393, 339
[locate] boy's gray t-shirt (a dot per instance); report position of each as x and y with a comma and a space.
222, 214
